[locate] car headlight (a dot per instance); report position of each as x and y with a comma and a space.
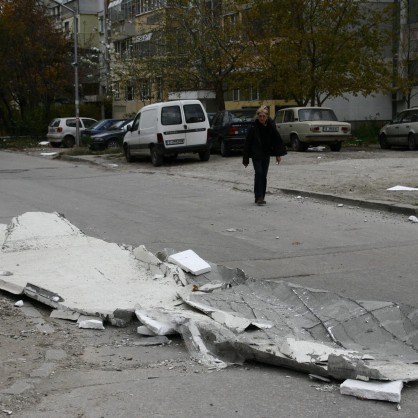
97, 139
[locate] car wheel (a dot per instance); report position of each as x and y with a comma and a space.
336, 146
127, 153
68, 141
156, 158
225, 150
113, 143
204, 155
383, 142
296, 145
412, 143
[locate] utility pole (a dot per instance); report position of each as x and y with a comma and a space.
75, 65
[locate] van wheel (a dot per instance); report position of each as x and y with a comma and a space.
336, 146
68, 141
204, 155
412, 143
296, 145
127, 153
156, 158
225, 150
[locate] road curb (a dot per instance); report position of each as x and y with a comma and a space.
368, 204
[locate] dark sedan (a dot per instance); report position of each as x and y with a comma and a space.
230, 128
111, 138
100, 126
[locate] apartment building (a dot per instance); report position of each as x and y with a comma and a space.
86, 18
125, 33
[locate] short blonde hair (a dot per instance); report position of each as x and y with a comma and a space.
262, 109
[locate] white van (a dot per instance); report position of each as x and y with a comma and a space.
168, 129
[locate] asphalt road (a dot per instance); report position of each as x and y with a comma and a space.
208, 207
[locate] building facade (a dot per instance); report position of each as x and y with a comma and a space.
125, 32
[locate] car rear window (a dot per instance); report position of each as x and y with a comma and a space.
316, 114
54, 123
194, 113
171, 115
239, 116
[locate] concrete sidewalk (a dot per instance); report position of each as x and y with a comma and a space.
356, 177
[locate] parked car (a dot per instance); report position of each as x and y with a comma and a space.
230, 128
402, 131
167, 129
112, 137
62, 131
210, 117
301, 127
100, 126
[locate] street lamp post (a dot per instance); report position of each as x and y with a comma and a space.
75, 65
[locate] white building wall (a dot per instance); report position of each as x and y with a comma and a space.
351, 108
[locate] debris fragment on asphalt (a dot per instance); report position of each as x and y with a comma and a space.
401, 188
382, 391
91, 324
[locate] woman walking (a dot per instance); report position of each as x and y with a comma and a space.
262, 141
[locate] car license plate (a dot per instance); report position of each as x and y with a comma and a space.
330, 129
174, 141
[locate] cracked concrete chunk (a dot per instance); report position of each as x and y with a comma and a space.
91, 324
189, 261
68, 315
383, 391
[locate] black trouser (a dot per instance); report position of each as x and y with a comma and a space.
261, 168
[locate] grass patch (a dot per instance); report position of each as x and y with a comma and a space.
112, 152
19, 142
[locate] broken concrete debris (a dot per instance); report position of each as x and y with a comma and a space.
91, 324
383, 391
224, 316
189, 261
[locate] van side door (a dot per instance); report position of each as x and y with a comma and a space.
196, 125
148, 128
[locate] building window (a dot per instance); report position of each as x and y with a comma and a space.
116, 91
160, 93
254, 93
235, 95
145, 91
101, 24
129, 93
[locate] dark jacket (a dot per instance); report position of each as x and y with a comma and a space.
263, 141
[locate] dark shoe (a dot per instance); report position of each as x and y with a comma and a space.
262, 202
259, 201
